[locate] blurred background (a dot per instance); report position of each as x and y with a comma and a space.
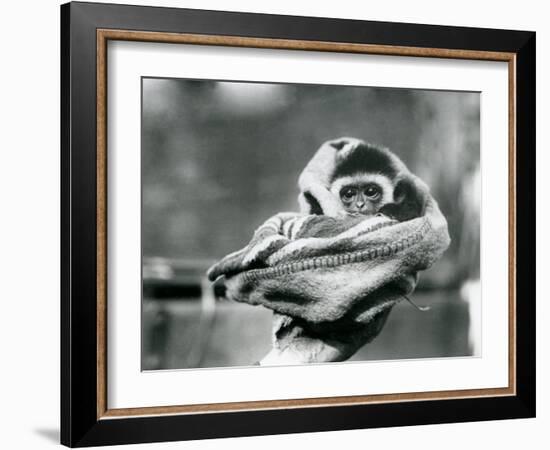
218, 158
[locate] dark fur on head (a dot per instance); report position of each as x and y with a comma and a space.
365, 157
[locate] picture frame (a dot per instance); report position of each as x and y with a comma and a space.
86, 29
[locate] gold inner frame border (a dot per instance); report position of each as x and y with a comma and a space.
103, 36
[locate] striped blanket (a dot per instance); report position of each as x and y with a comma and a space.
317, 267
331, 280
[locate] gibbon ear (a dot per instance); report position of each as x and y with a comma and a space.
409, 201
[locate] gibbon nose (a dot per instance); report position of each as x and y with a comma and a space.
360, 205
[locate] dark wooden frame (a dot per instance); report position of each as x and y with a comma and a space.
85, 418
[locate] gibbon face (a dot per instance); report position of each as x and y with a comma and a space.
365, 193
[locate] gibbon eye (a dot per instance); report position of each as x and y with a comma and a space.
348, 193
372, 191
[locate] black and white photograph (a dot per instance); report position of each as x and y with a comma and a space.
275, 225
287, 224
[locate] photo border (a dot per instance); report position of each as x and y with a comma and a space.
86, 29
